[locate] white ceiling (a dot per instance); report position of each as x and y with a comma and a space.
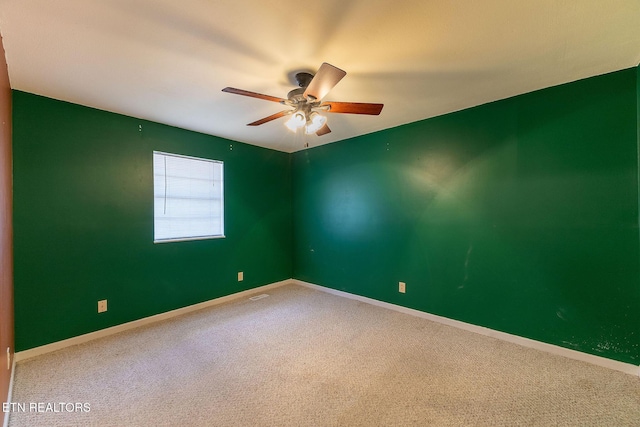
167, 60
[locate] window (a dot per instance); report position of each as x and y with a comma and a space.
188, 198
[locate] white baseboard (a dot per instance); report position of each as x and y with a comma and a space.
627, 368
526, 342
37, 351
5, 423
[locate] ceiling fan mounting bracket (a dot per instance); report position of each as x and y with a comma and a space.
303, 78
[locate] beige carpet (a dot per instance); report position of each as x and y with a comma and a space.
306, 358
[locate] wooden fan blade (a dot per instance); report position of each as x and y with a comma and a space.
252, 94
353, 108
325, 79
323, 130
268, 119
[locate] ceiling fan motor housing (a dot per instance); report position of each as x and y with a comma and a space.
296, 95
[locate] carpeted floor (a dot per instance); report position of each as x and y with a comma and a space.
306, 358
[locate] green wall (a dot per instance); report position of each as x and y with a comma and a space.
83, 221
520, 215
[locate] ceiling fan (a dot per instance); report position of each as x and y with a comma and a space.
307, 104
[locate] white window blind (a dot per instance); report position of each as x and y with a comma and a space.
188, 198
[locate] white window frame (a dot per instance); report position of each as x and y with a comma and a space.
184, 195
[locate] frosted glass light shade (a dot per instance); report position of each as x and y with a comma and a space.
315, 123
296, 121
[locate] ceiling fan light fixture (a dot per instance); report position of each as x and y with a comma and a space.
296, 121
314, 123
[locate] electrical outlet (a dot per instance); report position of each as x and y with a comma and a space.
240, 276
102, 306
402, 287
